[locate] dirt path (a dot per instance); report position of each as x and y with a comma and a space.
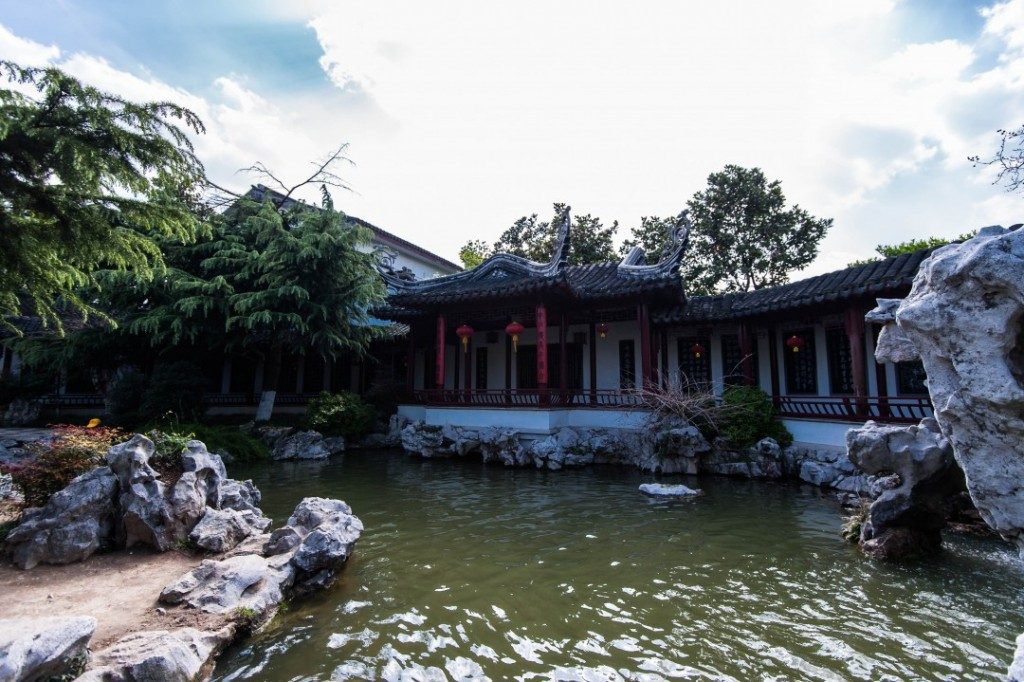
119, 589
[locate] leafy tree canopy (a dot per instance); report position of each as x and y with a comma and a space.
744, 236
911, 245
88, 181
530, 237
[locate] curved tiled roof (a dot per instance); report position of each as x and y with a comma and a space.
888, 276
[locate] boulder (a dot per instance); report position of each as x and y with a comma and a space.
675, 450
34, 649
1016, 671
75, 522
22, 412
502, 445
220, 529
335, 444
145, 513
893, 345
182, 655
438, 441
663, 490
963, 314
270, 435
300, 445
915, 511
305, 555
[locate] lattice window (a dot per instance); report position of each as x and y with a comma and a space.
840, 361
694, 371
732, 360
910, 378
627, 364
801, 365
481, 369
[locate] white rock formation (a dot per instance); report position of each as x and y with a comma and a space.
893, 345
964, 315
75, 522
181, 655
44, 648
665, 490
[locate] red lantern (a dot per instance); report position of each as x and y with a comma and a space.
698, 350
514, 329
464, 332
602, 330
795, 343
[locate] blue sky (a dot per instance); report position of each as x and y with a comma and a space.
462, 116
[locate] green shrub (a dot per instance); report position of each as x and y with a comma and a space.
341, 414
124, 398
748, 416
168, 446
221, 439
177, 388
73, 451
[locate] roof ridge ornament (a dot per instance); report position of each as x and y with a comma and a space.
495, 265
679, 238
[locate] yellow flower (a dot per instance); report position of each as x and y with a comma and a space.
93, 423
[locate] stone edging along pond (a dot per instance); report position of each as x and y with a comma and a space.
228, 596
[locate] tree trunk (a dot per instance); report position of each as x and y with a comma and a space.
271, 376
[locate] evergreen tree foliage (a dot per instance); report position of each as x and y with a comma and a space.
652, 234
744, 237
88, 182
534, 239
911, 245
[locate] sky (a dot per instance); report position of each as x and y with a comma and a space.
462, 116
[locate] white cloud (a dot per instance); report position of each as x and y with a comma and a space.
464, 115
26, 52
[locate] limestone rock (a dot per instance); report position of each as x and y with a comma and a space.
676, 450
1016, 671
915, 511
220, 529
6, 486
438, 441
330, 534
963, 315
44, 648
300, 445
335, 445
270, 435
663, 490
502, 445
180, 655
247, 581
75, 522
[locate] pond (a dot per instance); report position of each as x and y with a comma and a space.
467, 570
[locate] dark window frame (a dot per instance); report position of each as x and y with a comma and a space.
840, 369
807, 356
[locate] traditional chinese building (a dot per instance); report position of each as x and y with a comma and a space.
538, 346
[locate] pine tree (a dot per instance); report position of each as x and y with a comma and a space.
88, 181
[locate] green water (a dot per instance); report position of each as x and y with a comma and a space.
468, 570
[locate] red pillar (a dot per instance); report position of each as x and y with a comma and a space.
747, 351
563, 356
854, 324
592, 331
468, 379
439, 364
645, 344
542, 348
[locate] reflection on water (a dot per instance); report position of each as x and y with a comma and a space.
467, 571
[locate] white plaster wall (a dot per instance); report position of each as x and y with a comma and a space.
530, 420
818, 432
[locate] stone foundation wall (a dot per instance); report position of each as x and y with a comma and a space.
682, 450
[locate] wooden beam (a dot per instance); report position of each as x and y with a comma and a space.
563, 359
853, 322
542, 347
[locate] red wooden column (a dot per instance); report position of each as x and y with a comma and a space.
468, 378
592, 330
645, 344
563, 357
747, 351
542, 351
439, 363
854, 323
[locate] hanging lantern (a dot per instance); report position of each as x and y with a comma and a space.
698, 350
464, 332
514, 329
795, 343
602, 330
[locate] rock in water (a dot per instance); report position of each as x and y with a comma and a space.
906, 519
963, 315
74, 523
44, 648
663, 490
301, 445
168, 656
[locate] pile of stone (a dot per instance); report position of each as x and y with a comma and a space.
303, 556
289, 443
128, 502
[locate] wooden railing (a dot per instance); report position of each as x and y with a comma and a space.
506, 398
852, 408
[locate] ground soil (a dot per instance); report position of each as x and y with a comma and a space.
119, 589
